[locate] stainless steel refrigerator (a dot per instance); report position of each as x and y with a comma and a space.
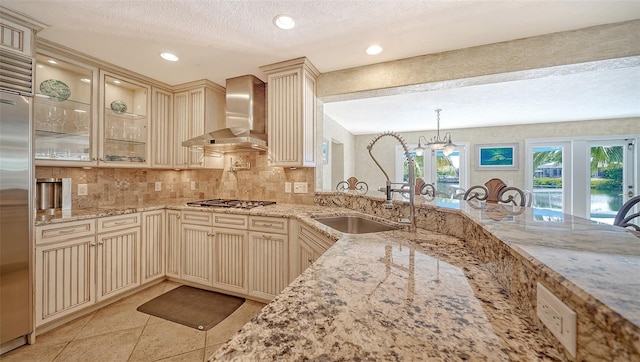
16, 212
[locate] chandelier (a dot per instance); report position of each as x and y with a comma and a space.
435, 143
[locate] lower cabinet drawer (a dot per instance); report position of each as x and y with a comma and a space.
64, 231
231, 221
269, 224
118, 222
197, 218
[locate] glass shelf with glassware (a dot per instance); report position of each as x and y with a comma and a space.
63, 111
62, 130
125, 121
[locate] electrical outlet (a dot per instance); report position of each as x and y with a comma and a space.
558, 317
287, 187
300, 188
193, 185
82, 190
158, 186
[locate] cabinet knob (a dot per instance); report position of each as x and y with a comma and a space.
310, 261
101, 242
94, 159
92, 244
267, 237
211, 234
177, 217
101, 159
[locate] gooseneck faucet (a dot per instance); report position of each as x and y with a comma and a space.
412, 179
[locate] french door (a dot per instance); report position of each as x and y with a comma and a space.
611, 178
590, 177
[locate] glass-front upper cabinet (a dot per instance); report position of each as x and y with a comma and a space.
124, 122
63, 113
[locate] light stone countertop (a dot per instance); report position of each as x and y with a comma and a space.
382, 296
391, 296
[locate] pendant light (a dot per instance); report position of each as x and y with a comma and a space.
435, 143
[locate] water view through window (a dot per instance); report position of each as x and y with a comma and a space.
605, 184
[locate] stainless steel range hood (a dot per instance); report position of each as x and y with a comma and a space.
245, 119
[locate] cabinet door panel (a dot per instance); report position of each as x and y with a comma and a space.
181, 129
65, 129
64, 282
162, 129
291, 112
174, 237
118, 262
196, 110
268, 264
124, 123
230, 260
153, 245
306, 255
196, 253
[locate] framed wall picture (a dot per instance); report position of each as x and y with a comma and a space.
497, 156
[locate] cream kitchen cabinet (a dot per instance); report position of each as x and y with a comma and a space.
199, 107
154, 239
174, 244
64, 112
64, 267
291, 113
310, 246
124, 122
230, 252
230, 260
118, 255
197, 247
162, 128
16, 37
268, 256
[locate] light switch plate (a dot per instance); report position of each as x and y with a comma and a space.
300, 188
82, 190
287, 187
158, 186
193, 185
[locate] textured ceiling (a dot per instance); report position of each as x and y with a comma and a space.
217, 40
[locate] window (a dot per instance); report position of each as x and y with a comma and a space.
445, 172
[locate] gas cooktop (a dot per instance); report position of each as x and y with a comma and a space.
238, 204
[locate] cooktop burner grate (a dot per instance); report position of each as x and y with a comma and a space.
239, 204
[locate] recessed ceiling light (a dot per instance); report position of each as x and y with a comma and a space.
52, 61
169, 56
374, 49
85, 80
115, 81
284, 22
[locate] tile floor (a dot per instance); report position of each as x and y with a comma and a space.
119, 332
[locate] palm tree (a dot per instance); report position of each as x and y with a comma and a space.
550, 156
601, 157
607, 157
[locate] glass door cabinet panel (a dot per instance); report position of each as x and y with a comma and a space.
63, 112
125, 122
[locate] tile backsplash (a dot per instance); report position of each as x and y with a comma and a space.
117, 186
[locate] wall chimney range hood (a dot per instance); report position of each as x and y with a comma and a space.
244, 121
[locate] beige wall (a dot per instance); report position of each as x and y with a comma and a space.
384, 150
334, 132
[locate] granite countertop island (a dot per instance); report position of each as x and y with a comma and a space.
454, 290
396, 296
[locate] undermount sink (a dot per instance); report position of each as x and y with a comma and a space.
354, 224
